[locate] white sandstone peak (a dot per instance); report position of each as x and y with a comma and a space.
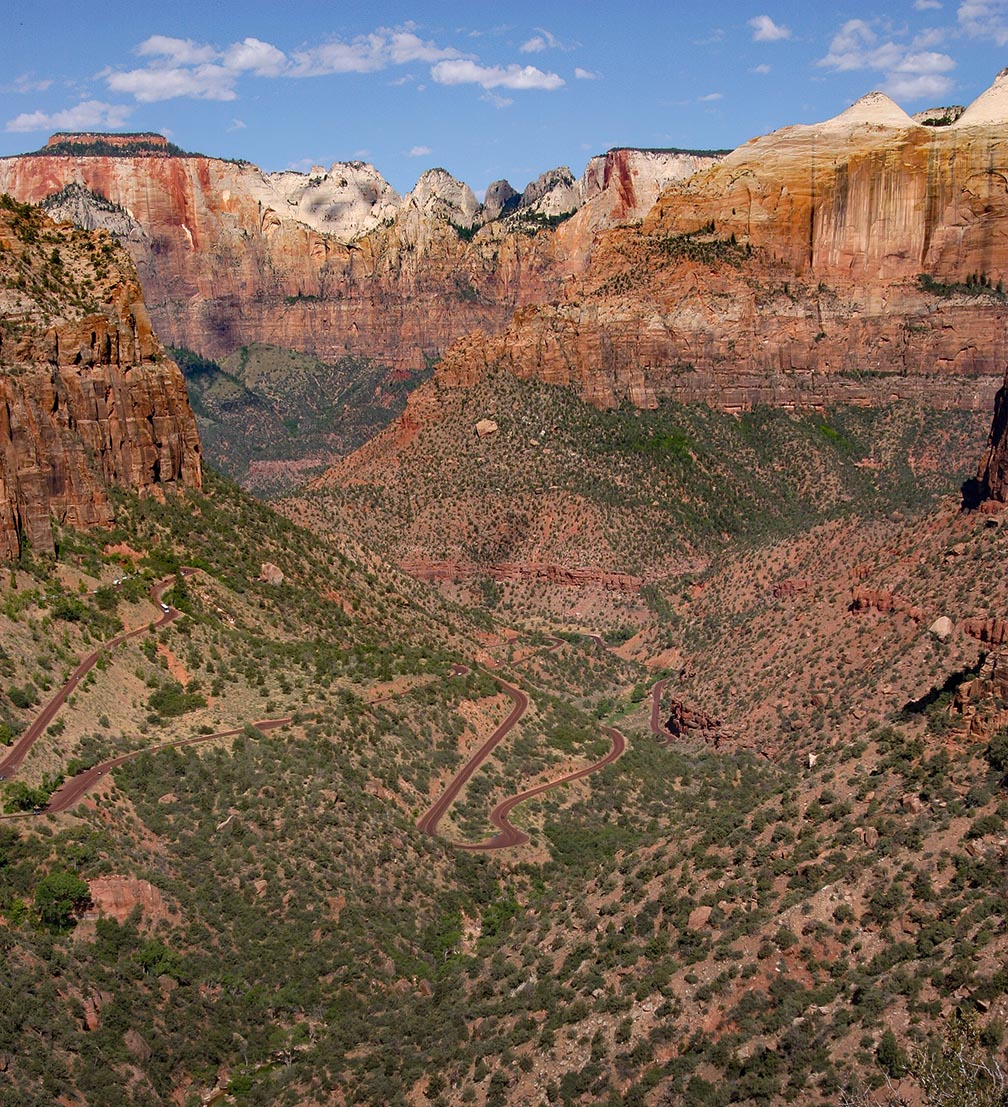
874, 109
438, 194
990, 106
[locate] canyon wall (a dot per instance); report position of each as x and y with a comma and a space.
87, 398
858, 260
335, 262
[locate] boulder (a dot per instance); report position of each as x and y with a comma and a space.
941, 628
271, 574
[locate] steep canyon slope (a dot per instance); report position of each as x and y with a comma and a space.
87, 398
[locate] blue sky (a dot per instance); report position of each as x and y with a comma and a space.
484, 90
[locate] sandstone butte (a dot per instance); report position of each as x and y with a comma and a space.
87, 398
789, 272
335, 262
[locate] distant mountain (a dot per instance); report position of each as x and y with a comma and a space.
334, 262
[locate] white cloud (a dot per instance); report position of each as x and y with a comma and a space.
204, 82
86, 116
909, 73
762, 70
711, 96
585, 74
178, 51
917, 87
933, 36
184, 68
237, 125
927, 5
368, 53
253, 56
497, 100
404, 47
420, 152
984, 19
534, 45
26, 83
465, 72
765, 30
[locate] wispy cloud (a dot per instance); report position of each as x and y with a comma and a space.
984, 19
542, 40
765, 30
26, 83
88, 115
710, 97
762, 70
909, 73
498, 101
520, 77
927, 5
419, 152
584, 74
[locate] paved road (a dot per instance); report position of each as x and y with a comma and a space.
12, 762
428, 823
73, 790
510, 835
656, 724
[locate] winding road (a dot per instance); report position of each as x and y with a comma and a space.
656, 724
429, 823
71, 791
507, 834
12, 762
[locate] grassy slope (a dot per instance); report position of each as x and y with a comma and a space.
313, 947
271, 417
643, 492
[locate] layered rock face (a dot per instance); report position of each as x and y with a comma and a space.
334, 262
789, 272
87, 398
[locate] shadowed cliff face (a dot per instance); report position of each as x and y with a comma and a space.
992, 475
87, 398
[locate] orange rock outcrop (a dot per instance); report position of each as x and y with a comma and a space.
87, 398
790, 273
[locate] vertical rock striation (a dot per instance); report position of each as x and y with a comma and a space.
87, 398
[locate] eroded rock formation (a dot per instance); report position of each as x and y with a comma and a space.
858, 260
87, 398
335, 261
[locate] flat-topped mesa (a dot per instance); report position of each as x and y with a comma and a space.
87, 398
101, 143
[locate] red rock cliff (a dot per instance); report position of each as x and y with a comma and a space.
87, 398
789, 273
224, 259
